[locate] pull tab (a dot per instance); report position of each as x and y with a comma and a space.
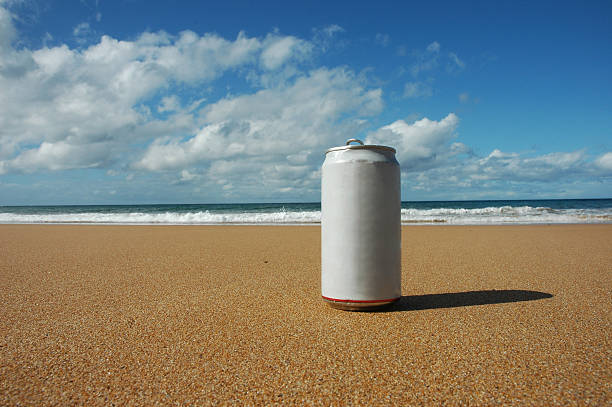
353, 140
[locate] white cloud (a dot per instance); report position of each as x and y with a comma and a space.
432, 160
420, 145
513, 166
326, 37
83, 33
264, 141
300, 157
81, 29
7, 29
434, 47
417, 90
120, 106
169, 104
455, 63
332, 30
58, 99
427, 60
382, 39
277, 50
61, 155
431, 58
500, 175
605, 162
499, 155
187, 176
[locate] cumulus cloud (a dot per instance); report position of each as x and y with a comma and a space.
271, 132
187, 176
62, 155
56, 101
605, 162
502, 174
151, 111
169, 104
421, 144
7, 29
432, 159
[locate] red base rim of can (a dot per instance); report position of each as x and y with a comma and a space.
361, 301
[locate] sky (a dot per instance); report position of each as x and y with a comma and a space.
135, 102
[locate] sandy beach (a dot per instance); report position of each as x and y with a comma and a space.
198, 315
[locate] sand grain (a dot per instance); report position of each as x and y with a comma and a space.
115, 315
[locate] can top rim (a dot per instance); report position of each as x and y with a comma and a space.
361, 147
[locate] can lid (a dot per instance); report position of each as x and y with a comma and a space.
359, 146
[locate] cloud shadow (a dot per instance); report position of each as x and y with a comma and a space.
463, 299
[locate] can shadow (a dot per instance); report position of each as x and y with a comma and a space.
463, 299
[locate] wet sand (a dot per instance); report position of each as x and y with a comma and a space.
115, 315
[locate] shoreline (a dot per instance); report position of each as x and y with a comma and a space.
226, 314
407, 224
501, 212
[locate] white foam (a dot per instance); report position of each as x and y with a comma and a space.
506, 214
460, 216
170, 218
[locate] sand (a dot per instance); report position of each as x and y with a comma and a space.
199, 315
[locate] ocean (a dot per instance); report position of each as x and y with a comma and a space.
497, 212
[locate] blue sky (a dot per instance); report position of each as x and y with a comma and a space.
151, 102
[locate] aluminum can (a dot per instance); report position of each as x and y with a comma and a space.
360, 227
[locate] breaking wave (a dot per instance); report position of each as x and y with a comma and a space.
285, 214
169, 218
506, 214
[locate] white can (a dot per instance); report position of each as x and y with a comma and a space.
360, 227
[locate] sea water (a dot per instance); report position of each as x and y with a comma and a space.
431, 212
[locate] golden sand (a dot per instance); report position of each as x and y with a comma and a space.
143, 315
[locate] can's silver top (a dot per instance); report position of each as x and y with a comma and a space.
359, 146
